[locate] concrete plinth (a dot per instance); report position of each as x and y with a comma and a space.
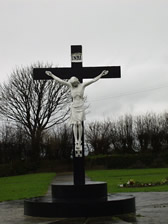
87, 200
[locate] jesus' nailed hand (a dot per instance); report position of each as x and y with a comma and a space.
105, 72
49, 73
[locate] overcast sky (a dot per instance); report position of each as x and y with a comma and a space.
129, 33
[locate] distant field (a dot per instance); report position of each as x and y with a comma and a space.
117, 177
24, 186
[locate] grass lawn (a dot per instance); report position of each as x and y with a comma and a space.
24, 186
116, 177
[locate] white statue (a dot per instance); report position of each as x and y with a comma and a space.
77, 106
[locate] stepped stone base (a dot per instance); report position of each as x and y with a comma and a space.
87, 200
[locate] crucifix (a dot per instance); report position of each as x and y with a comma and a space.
76, 73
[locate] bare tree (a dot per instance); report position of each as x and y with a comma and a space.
165, 126
14, 144
37, 105
98, 137
150, 131
59, 143
125, 133
115, 136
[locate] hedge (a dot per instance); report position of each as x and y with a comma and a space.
23, 167
115, 161
122, 161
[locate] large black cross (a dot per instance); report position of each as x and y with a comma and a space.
81, 73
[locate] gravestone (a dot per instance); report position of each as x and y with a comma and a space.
78, 198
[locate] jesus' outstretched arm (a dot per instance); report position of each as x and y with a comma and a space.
103, 73
57, 78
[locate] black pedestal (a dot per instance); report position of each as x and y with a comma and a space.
87, 200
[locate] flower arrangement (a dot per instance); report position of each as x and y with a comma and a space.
132, 183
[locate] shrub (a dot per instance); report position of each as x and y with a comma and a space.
122, 161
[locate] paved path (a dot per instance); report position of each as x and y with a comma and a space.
151, 208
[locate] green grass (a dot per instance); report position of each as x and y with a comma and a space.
24, 186
116, 177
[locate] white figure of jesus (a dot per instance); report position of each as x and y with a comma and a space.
77, 106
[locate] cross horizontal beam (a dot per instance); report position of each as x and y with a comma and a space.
81, 73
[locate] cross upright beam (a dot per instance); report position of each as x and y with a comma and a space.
81, 73
78, 162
